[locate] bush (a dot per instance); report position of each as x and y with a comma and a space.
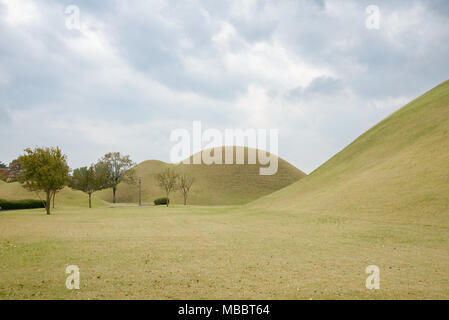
161, 201
21, 204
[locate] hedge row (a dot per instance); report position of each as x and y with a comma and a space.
21, 204
161, 201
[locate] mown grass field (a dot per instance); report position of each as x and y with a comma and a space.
218, 253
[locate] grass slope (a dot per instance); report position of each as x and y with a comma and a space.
214, 185
64, 198
398, 168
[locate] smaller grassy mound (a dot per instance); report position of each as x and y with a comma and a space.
67, 197
215, 184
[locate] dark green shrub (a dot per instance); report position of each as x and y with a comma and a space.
161, 201
21, 204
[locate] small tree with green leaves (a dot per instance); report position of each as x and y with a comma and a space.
90, 179
184, 184
119, 170
167, 181
43, 169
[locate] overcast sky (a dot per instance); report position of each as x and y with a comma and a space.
136, 70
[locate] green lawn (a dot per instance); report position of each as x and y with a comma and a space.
218, 252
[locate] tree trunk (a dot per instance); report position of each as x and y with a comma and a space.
113, 194
90, 200
185, 198
168, 200
54, 194
48, 203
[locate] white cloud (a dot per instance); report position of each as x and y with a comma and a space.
21, 12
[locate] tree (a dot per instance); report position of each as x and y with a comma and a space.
167, 181
184, 184
54, 194
14, 170
90, 179
43, 169
4, 172
119, 170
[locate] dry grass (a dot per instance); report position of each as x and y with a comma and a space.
217, 252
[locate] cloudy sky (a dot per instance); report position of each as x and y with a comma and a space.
136, 70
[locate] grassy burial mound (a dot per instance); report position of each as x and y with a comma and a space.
400, 167
215, 184
64, 198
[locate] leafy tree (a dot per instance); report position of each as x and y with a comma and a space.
184, 184
14, 170
43, 169
119, 170
90, 179
167, 181
4, 172
15, 165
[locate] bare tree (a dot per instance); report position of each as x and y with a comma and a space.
184, 184
167, 181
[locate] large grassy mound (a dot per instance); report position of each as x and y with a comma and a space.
66, 197
214, 184
400, 167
